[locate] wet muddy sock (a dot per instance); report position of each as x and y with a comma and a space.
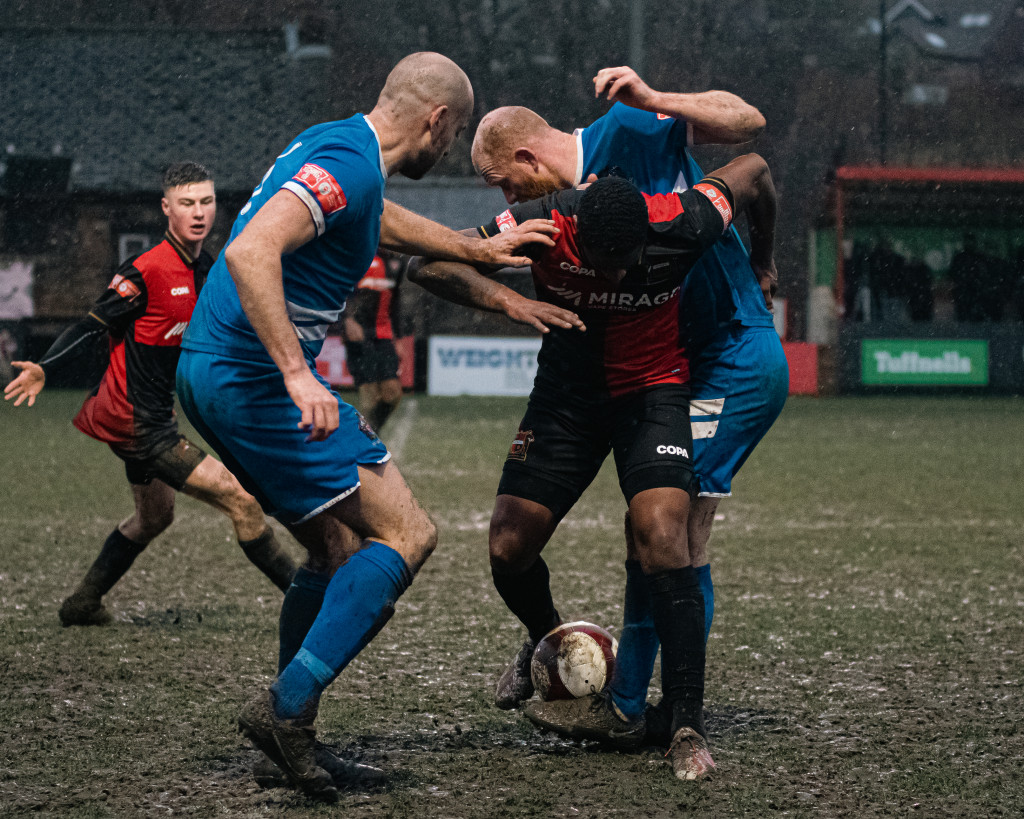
266, 554
301, 605
115, 558
678, 609
707, 588
638, 646
528, 597
359, 601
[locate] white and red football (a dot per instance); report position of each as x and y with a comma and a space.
573, 660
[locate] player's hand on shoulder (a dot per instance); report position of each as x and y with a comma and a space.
507, 248
542, 315
623, 84
27, 384
317, 404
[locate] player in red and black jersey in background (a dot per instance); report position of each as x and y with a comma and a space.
370, 318
612, 376
144, 312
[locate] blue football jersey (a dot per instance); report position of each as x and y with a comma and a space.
336, 169
651, 151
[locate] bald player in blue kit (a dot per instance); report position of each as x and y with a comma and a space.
247, 381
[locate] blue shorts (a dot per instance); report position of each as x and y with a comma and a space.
244, 412
738, 385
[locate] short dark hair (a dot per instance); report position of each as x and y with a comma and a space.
185, 173
612, 219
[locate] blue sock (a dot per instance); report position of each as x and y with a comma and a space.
638, 647
301, 605
359, 601
708, 588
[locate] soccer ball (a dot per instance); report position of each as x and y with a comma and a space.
573, 660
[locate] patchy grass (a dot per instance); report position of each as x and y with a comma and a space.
865, 658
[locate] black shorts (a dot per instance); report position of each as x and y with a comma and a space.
560, 446
172, 465
372, 361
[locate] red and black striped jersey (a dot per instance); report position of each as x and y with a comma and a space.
633, 338
146, 309
374, 302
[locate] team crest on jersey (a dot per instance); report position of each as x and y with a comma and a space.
125, 288
520, 445
323, 186
506, 221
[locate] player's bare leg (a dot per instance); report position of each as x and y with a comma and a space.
154, 512
212, 483
519, 531
378, 401
659, 525
397, 537
702, 518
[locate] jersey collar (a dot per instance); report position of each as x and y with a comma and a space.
380, 153
578, 133
179, 248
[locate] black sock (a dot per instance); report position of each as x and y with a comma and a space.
115, 558
528, 597
302, 603
679, 620
266, 554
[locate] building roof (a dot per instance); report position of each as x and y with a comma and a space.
954, 29
123, 104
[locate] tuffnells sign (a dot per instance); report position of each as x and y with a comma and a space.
924, 362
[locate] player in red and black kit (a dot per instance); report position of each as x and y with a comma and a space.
620, 386
369, 324
144, 312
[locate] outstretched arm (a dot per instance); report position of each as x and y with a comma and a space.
717, 117
69, 347
464, 285
753, 191
403, 231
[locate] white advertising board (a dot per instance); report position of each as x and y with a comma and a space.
481, 365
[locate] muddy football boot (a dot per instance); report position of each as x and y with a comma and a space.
591, 717
691, 759
290, 744
81, 609
515, 685
346, 774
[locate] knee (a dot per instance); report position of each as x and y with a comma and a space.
507, 551
421, 540
155, 521
391, 393
660, 542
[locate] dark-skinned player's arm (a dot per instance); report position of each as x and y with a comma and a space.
470, 286
403, 231
753, 192
717, 117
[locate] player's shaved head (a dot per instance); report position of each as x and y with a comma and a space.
426, 79
516, 150
503, 130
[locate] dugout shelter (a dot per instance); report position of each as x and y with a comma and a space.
924, 218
